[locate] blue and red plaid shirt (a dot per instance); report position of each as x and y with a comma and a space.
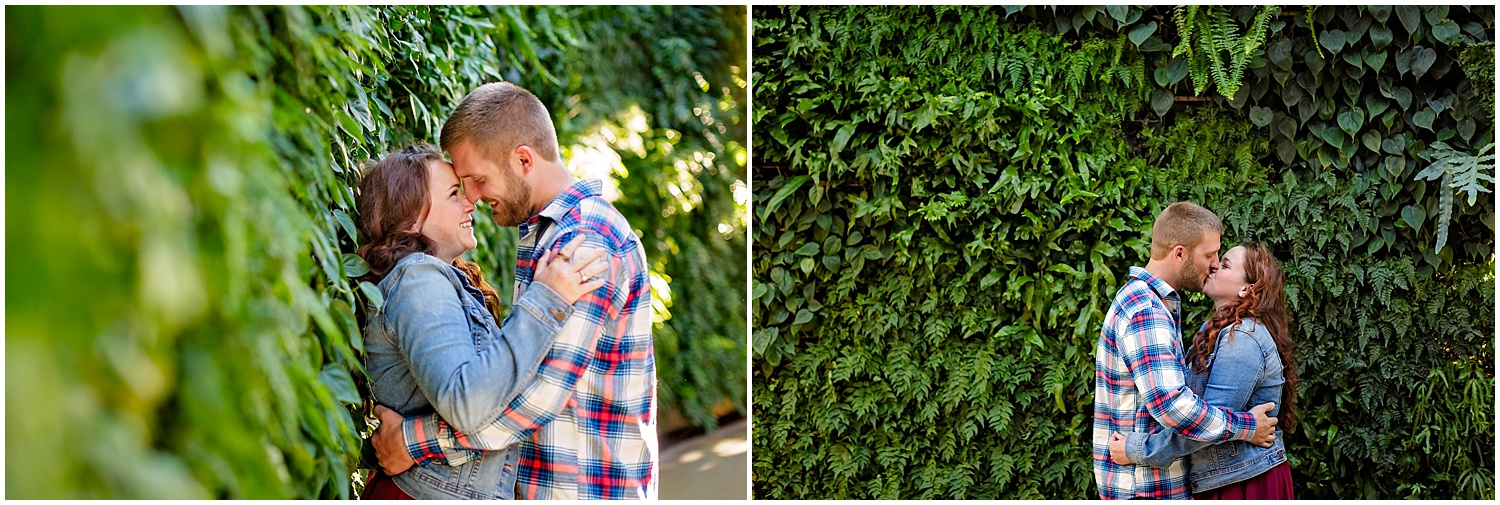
1140, 386
586, 423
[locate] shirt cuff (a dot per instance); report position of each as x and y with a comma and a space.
1135, 447
1246, 421
545, 305
421, 434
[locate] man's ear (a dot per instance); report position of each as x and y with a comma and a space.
525, 159
1178, 252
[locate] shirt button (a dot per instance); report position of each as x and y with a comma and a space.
558, 315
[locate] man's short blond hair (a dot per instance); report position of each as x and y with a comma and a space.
498, 117
1184, 224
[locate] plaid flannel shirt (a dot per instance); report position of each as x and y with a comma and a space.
586, 423
1140, 386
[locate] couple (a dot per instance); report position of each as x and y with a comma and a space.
1173, 424
558, 402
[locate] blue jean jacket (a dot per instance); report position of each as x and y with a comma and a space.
435, 347
1244, 371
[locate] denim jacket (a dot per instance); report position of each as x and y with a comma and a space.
435, 347
1243, 371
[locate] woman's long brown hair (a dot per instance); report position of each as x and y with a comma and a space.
392, 200
1265, 301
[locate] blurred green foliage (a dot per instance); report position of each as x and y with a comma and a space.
179, 213
947, 198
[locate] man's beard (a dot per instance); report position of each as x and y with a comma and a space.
1191, 278
514, 206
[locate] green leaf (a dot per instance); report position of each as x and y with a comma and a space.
1118, 12
1413, 216
355, 266
1332, 39
373, 294
340, 383
803, 316
1260, 116
808, 249
1447, 32
1161, 101
1410, 17
1380, 36
1140, 33
1351, 120
786, 190
842, 139
1371, 140
1422, 61
1424, 118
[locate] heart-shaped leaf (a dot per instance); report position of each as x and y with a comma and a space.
1379, 12
1118, 12
355, 266
1402, 96
1447, 32
1161, 76
1354, 59
1161, 101
1280, 54
1375, 60
1314, 61
1394, 145
1351, 120
1139, 34
1291, 95
1177, 70
1422, 61
1466, 129
1260, 116
1410, 17
1380, 36
1332, 39
1395, 165
1334, 137
1435, 13
1424, 118
1403, 60
1413, 216
1371, 140
1287, 126
1286, 150
1375, 105
1439, 104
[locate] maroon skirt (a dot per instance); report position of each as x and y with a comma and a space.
1275, 484
383, 487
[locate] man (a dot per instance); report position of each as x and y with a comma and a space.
587, 424
1139, 383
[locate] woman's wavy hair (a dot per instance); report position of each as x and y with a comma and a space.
1265, 301
392, 200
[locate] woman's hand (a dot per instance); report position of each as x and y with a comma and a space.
571, 276
1117, 449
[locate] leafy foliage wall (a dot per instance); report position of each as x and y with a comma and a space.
946, 200
181, 323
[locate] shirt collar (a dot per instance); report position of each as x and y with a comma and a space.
1157, 284
565, 201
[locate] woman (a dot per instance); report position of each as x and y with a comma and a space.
1241, 357
434, 345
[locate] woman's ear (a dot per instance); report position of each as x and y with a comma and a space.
1245, 290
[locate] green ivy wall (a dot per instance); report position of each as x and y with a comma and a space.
179, 215
946, 200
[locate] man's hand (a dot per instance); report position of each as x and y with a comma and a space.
1117, 449
390, 444
1265, 427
